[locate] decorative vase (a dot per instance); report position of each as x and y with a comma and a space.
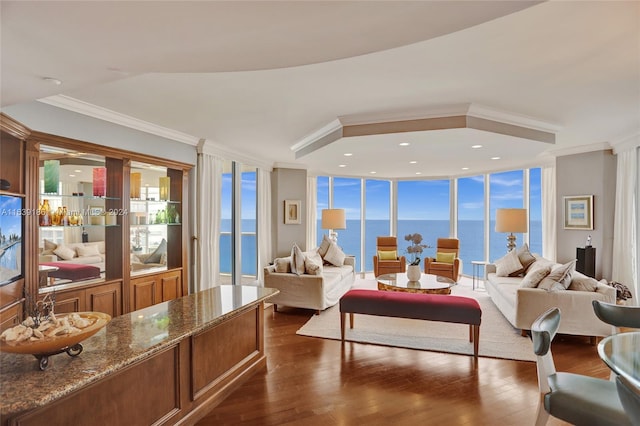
413, 272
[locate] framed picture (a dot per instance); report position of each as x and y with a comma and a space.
292, 212
578, 212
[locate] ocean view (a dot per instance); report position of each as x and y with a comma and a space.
470, 233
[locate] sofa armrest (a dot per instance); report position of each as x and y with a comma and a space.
607, 291
45, 258
490, 268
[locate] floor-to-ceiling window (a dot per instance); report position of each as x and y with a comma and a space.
423, 208
238, 237
377, 217
347, 195
471, 207
535, 210
505, 191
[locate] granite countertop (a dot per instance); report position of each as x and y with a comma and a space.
126, 339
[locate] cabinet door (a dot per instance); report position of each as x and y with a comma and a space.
171, 283
144, 292
70, 301
106, 298
10, 316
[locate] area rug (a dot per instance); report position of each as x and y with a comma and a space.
498, 339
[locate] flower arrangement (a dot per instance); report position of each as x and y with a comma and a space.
414, 251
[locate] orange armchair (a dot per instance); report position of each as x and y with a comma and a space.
382, 265
447, 263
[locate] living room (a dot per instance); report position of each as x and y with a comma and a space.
279, 117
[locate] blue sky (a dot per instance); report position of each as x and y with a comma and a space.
10, 219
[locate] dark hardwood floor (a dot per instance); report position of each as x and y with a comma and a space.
312, 381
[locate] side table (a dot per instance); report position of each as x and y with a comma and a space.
476, 269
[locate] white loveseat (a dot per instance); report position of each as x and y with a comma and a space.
317, 292
521, 306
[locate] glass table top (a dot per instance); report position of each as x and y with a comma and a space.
427, 284
621, 352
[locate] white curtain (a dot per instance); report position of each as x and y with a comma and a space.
625, 233
312, 207
264, 221
549, 217
208, 213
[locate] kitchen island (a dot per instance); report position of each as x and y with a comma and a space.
166, 364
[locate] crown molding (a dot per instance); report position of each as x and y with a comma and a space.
281, 165
488, 113
104, 114
626, 143
322, 132
581, 149
209, 147
404, 115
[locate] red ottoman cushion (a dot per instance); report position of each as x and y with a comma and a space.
73, 271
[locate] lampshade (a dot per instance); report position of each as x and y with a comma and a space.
334, 219
511, 220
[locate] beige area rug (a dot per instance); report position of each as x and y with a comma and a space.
498, 339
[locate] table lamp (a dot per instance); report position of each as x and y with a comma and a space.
333, 219
511, 220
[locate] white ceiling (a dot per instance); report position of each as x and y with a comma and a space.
256, 78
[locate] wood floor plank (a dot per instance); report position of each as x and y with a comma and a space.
312, 381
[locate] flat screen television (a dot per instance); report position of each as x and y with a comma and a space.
11, 247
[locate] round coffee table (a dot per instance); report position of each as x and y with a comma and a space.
428, 284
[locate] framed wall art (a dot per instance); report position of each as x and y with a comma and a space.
578, 212
292, 212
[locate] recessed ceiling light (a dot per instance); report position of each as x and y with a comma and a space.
72, 175
476, 146
373, 173
418, 173
342, 165
52, 80
78, 171
146, 184
495, 158
404, 144
465, 168
413, 162
348, 154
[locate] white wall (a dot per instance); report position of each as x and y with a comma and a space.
591, 173
288, 184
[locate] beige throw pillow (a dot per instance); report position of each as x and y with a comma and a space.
313, 264
324, 246
297, 260
88, 251
559, 278
335, 255
64, 252
526, 259
581, 282
283, 264
508, 264
534, 276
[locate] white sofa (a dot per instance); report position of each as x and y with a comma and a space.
521, 306
317, 292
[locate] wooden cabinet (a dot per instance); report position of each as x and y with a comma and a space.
118, 290
150, 289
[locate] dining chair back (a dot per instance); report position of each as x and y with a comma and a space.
630, 398
574, 398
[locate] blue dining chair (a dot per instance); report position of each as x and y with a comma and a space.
574, 398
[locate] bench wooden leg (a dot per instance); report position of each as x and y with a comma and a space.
476, 340
275, 308
342, 319
351, 319
523, 333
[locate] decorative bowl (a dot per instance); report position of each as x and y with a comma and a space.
57, 344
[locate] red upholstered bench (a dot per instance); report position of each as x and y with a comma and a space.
431, 307
73, 271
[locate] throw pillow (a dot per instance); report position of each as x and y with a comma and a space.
297, 260
387, 255
88, 251
49, 247
156, 255
64, 252
534, 276
283, 264
445, 257
324, 246
335, 255
313, 264
559, 278
581, 282
526, 259
508, 264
